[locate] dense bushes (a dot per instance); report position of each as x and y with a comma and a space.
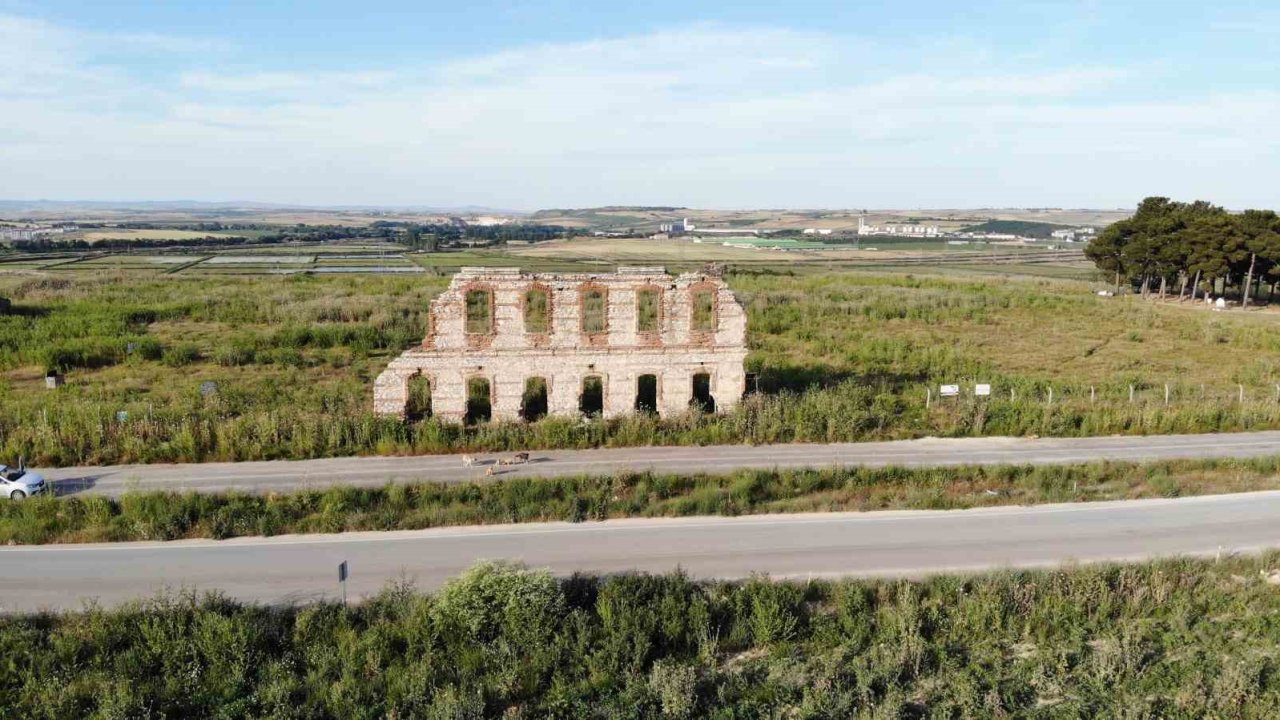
171, 516
1168, 639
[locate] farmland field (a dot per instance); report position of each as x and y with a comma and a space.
158, 234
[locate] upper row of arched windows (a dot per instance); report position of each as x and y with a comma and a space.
594, 318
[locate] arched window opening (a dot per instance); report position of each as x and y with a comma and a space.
533, 405
648, 310
647, 394
702, 398
479, 312
704, 311
418, 406
595, 307
591, 402
537, 311
479, 401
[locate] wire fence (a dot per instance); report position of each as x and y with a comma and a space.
1169, 394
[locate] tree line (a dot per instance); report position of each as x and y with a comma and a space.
432, 236
1197, 246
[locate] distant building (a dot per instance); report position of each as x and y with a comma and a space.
12, 234
899, 230
817, 231
1080, 234
32, 232
488, 221
683, 226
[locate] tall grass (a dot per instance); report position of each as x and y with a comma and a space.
1176, 638
839, 356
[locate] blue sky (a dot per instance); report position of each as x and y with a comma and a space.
745, 104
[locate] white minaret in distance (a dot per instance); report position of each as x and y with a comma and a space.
862, 224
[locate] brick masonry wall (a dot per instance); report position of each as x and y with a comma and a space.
450, 356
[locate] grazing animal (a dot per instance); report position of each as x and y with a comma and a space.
468, 461
517, 459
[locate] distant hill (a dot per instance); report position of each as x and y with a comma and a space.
1025, 228
13, 206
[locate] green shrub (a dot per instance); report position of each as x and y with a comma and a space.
181, 355
240, 351
1175, 638
494, 600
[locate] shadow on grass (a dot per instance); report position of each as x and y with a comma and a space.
775, 379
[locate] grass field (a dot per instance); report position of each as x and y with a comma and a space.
1169, 639
839, 356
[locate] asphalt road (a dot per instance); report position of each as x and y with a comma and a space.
289, 475
301, 568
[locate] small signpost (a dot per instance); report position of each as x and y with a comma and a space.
982, 390
342, 579
949, 390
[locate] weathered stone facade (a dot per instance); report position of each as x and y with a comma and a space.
640, 331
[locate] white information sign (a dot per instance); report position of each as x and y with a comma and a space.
982, 390
949, 390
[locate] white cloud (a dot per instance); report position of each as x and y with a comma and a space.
702, 116
285, 83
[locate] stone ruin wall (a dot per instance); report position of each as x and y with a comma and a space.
450, 356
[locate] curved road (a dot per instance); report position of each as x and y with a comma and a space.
301, 568
290, 475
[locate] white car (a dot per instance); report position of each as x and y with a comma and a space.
20, 483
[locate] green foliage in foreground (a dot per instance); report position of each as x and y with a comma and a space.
1169, 639
172, 516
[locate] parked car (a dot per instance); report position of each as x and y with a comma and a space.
20, 483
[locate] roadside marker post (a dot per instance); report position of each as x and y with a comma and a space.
342, 579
